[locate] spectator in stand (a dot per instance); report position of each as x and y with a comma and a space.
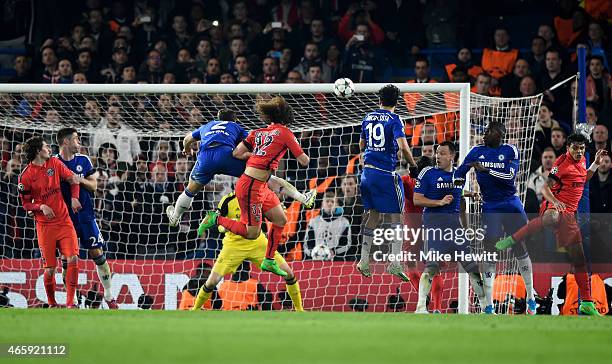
333, 60
331, 229
599, 84
560, 97
241, 68
314, 73
22, 70
123, 138
119, 60
203, 53
547, 33
571, 23
317, 35
179, 37
52, 117
162, 155
89, 42
600, 140
269, 71
510, 83
64, 72
76, 35
362, 61
49, 64
184, 65
286, 12
355, 16
84, 64
227, 56
597, 40
539, 177
145, 31
247, 78
92, 113
100, 32
181, 174
543, 129
441, 20
558, 137
483, 84
600, 192
128, 74
312, 56
592, 116
294, 77
499, 60
306, 15
464, 60
537, 57
350, 201
421, 71
152, 69
213, 71
249, 26
527, 87
227, 78
79, 78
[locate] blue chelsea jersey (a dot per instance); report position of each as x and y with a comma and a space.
503, 163
220, 132
380, 130
82, 167
435, 183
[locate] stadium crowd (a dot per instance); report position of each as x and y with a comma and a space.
288, 41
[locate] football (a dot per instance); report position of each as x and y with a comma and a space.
344, 87
321, 252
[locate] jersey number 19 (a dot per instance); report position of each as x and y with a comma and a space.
376, 135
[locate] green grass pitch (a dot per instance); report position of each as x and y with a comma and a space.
117, 337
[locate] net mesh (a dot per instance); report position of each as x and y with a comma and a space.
134, 140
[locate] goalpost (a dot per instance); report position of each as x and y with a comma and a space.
138, 180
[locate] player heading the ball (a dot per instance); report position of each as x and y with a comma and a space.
218, 138
382, 192
263, 148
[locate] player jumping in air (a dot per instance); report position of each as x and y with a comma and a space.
263, 148
562, 193
496, 165
382, 136
218, 139
40, 191
235, 250
443, 207
84, 222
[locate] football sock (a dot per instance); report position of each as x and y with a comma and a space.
366, 245
424, 288
582, 279
526, 270
436, 292
49, 280
532, 227
72, 276
415, 277
234, 226
275, 235
293, 289
396, 244
478, 288
488, 280
203, 296
64, 268
288, 189
104, 273
182, 203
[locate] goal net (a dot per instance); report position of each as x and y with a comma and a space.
133, 133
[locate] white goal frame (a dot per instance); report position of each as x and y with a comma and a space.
462, 88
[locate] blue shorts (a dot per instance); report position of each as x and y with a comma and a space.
444, 234
89, 234
216, 160
500, 218
382, 191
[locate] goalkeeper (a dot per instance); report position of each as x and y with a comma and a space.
237, 249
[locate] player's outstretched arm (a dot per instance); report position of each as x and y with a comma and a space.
548, 195
405, 149
598, 160
90, 182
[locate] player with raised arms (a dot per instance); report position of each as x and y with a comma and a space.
496, 165
444, 209
218, 138
84, 222
40, 192
382, 136
237, 249
562, 193
263, 148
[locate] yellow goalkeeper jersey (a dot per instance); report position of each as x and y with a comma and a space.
229, 207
